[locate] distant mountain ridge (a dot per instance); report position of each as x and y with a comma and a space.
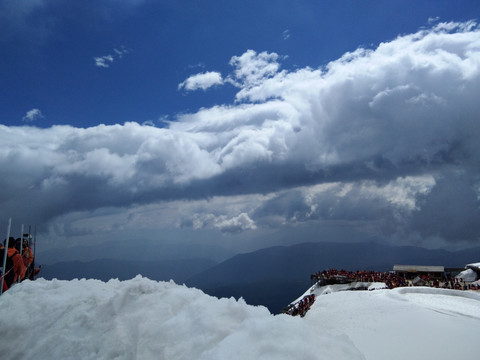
274, 276
290, 262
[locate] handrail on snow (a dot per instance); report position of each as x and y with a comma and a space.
30, 270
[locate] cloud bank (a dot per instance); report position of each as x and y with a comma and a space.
372, 139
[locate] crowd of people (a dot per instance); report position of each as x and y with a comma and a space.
453, 283
300, 307
20, 262
391, 280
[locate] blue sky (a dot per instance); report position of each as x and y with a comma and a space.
49, 49
250, 122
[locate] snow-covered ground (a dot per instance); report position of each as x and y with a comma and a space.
144, 319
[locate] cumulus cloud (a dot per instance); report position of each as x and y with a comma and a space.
33, 115
252, 69
224, 223
379, 128
202, 81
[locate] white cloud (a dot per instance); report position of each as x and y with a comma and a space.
32, 115
286, 35
235, 224
370, 121
103, 61
202, 81
120, 52
148, 123
106, 60
252, 69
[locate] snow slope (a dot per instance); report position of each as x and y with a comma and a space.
144, 319
403, 323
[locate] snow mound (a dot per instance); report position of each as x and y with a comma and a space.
145, 319
467, 275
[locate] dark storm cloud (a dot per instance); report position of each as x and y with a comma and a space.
450, 211
385, 206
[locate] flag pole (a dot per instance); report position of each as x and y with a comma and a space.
21, 249
34, 249
21, 241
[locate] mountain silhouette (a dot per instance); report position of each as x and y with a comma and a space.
275, 276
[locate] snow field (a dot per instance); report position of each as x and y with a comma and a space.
144, 319
403, 323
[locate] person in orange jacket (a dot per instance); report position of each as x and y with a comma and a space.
27, 257
27, 254
2, 249
18, 267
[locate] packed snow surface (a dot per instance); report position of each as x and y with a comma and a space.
145, 319
474, 266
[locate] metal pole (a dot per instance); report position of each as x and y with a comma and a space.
34, 244
21, 242
34, 249
5, 255
21, 250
